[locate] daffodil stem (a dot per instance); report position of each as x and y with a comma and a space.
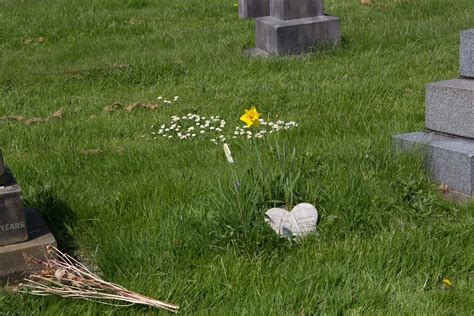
237, 193
258, 153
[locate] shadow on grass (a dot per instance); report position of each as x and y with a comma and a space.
59, 217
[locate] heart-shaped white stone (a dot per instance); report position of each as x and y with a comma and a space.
299, 222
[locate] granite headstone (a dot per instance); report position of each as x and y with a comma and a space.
294, 27
12, 217
22, 231
448, 144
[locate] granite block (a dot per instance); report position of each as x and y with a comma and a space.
12, 262
253, 8
450, 107
296, 9
12, 217
467, 53
279, 37
450, 160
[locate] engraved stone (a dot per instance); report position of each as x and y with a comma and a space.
467, 53
12, 261
22, 231
12, 218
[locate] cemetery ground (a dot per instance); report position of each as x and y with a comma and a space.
158, 216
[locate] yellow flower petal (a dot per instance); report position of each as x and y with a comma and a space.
246, 120
251, 117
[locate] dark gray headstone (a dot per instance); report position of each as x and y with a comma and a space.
467, 53
22, 231
12, 217
253, 8
296, 9
450, 107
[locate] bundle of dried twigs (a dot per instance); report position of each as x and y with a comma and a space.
65, 276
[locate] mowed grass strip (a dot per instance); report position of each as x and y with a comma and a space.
159, 217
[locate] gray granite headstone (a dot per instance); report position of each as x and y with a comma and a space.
253, 8
467, 53
448, 144
294, 27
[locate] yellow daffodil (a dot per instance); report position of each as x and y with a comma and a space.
251, 117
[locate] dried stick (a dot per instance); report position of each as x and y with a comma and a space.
65, 276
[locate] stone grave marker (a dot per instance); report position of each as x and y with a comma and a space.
253, 8
448, 142
300, 222
293, 27
22, 231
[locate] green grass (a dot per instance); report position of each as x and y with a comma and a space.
158, 217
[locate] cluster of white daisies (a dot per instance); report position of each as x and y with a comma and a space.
264, 129
192, 126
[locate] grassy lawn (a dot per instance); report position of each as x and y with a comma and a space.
159, 217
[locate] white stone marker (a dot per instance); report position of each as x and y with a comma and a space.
300, 222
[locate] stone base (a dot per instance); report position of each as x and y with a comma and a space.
280, 37
12, 262
449, 159
450, 107
256, 52
253, 8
